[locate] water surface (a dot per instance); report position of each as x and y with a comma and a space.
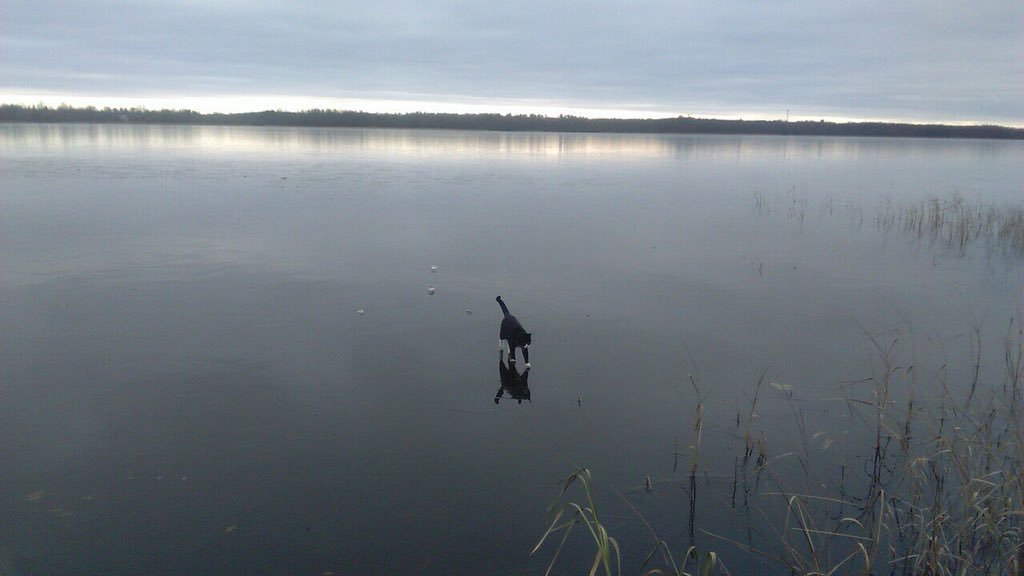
187, 385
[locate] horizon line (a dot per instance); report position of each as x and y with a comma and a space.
432, 104
563, 115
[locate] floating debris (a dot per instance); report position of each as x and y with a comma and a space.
360, 311
433, 268
430, 289
61, 513
35, 496
782, 387
468, 311
231, 528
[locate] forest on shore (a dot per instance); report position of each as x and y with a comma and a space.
500, 122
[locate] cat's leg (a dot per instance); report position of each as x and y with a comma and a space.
526, 354
505, 345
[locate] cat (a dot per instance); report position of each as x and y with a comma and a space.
514, 335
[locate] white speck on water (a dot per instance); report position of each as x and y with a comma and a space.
430, 289
360, 311
433, 268
468, 311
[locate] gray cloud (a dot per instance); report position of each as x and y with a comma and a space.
948, 61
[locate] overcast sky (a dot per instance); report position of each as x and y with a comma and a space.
918, 61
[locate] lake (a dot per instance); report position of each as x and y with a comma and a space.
274, 350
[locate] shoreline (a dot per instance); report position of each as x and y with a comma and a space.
10, 113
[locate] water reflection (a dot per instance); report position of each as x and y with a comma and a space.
513, 383
439, 144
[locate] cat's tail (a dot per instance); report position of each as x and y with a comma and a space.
504, 309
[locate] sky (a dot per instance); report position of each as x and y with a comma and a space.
893, 60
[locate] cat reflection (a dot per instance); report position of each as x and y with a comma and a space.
512, 382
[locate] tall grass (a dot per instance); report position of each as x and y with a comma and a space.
956, 223
937, 490
563, 517
942, 487
951, 222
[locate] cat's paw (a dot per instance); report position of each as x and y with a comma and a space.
527, 365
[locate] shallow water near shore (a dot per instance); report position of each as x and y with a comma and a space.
219, 353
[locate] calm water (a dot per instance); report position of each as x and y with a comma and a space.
187, 385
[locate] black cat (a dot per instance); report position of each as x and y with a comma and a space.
513, 334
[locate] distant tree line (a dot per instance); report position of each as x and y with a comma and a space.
503, 122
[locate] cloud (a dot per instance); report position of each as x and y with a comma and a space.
912, 60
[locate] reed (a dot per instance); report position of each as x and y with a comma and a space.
951, 222
937, 491
957, 224
563, 517
941, 489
